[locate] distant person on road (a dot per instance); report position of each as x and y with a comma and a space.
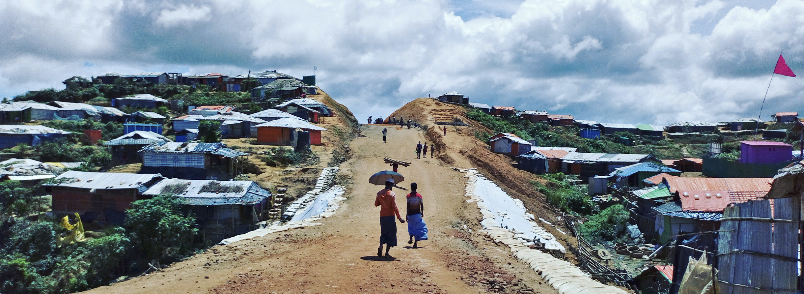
424, 150
409, 122
432, 150
384, 132
369, 120
386, 199
445, 131
417, 229
419, 150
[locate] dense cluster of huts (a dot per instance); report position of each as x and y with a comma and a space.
683, 203
199, 173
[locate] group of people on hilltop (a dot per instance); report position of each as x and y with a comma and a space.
401, 121
421, 150
417, 229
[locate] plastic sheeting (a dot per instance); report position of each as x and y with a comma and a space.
499, 209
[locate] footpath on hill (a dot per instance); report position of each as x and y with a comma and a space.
340, 254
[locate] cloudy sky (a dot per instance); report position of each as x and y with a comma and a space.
607, 60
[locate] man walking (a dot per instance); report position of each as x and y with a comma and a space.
432, 150
419, 150
384, 131
424, 150
417, 229
386, 200
369, 120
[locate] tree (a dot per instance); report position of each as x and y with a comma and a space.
158, 228
209, 131
249, 84
77, 83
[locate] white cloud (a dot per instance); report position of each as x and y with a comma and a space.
183, 15
616, 61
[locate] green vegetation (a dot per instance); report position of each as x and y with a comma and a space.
209, 131
546, 135
158, 228
283, 157
110, 130
564, 195
608, 225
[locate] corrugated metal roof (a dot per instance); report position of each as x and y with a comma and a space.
512, 138
292, 123
788, 113
708, 216
272, 113
647, 127
479, 105
504, 107
22, 105
138, 138
110, 110
568, 149
714, 194
765, 143
144, 97
307, 102
627, 171
559, 116
533, 112
108, 181
27, 167
660, 191
533, 155
667, 208
604, 157
29, 129
251, 193
149, 114
694, 123
617, 126
657, 179
77, 106
185, 147
552, 153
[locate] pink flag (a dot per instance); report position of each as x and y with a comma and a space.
782, 68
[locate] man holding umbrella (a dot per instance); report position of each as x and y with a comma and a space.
386, 199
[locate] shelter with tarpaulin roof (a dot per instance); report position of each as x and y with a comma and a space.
221, 208
284, 131
32, 135
194, 161
125, 149
97, 196
509, 144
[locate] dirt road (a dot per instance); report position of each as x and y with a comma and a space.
340, 254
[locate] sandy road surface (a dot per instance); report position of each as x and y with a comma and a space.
340, 254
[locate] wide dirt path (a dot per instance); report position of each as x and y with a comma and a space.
340, 254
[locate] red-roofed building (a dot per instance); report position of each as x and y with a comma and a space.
554, 157
561, 119
765, 152
785, 117
503, 110
714, 194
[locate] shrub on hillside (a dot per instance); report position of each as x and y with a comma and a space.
158, 228
608, 225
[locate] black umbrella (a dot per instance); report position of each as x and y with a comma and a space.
380, 177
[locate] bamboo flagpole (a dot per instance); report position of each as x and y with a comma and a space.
781, 69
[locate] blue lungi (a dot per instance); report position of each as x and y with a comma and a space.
388, 230
416, 227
